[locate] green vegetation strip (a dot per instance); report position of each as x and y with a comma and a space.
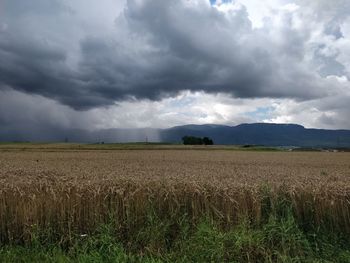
278, 239
125, 146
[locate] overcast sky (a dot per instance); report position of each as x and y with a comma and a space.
153, 63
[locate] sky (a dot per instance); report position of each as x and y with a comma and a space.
87, 64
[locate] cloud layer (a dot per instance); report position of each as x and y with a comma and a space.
87, 57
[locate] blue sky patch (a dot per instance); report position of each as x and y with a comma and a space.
212, 2
260, 113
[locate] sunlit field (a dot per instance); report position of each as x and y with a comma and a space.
169, 203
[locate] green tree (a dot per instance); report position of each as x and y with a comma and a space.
192, 140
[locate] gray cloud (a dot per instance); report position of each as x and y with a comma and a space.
66, 64
200, 49
157, 49
26, 117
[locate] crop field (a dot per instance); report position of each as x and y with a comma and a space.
72, 192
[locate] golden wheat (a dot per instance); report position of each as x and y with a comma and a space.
74, 191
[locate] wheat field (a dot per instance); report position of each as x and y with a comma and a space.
73, 191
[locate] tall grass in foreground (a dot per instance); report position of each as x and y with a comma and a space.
279, 239
172, 223
70, 209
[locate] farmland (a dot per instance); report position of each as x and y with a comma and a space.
61, 194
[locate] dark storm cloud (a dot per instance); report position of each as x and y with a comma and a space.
25, 117
36, 7
158, 49
203, 49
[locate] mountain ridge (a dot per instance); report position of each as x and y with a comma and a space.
267, 134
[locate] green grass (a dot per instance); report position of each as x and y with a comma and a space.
278, 239
61, 146
28, 146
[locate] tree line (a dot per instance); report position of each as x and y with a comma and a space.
192, 140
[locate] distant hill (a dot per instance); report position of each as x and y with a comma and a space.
268, 134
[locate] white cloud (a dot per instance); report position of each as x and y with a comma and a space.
290, 56
186, 108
